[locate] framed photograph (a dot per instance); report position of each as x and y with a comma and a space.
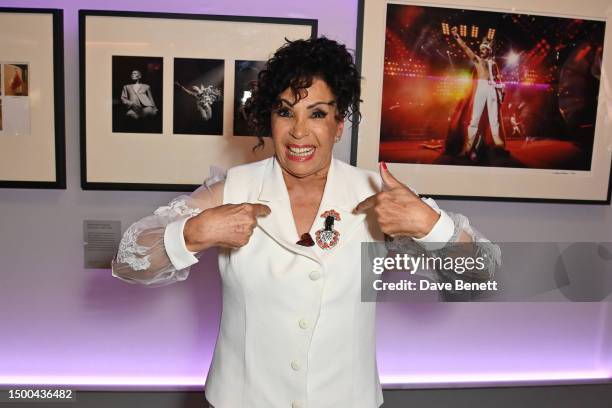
162, 94
245, 79
198, 96
32, 146
137, 85
488, 104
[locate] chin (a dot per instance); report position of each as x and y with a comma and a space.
301, 169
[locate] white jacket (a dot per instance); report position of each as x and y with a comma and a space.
294, 331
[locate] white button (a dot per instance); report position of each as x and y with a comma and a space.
314, 275
295, 365
303, 323
296, 404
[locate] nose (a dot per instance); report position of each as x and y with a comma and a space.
299, 129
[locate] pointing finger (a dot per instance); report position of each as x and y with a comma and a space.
365, 204
261, 210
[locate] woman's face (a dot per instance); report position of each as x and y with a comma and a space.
304, 132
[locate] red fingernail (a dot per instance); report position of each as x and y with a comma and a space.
384, 165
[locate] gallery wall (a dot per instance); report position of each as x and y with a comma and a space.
64, 324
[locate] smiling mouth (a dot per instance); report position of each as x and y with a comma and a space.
300, 153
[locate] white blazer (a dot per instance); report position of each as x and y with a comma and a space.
294, 332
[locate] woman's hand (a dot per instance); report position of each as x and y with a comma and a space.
398, 210
228, 225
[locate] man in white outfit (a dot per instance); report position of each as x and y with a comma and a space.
489, 92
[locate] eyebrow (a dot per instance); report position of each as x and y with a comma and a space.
330, 103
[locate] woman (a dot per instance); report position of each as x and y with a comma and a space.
294, 332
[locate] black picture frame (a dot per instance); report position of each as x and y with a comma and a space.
57, 171
87, 183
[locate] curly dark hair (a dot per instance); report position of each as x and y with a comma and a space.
295, 65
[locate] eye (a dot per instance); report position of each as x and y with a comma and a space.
283, 112
319, 114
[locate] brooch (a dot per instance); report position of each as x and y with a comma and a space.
328, 237
305, 240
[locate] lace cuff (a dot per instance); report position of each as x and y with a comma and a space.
142, 257
477, 247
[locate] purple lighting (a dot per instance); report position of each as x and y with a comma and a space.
63, 325
502, 378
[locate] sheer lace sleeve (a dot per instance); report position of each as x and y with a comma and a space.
465, 241
142, 257
481, 247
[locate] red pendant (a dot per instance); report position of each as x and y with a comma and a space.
305, 240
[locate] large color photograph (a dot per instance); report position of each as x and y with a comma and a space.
479, 88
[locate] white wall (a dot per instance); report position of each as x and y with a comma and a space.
60, 321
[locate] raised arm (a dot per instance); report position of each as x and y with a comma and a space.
470, 54
187, 91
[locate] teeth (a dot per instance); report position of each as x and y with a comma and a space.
301, 151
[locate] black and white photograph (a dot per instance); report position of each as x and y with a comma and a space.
244, 80
198, 82
198, 96
15, 79
137, 94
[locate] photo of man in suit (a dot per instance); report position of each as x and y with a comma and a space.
137, 105
137, 98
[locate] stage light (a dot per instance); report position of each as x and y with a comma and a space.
463, 30
445, 29
474, 31
245, 96
490, 34
464, 78
512, 58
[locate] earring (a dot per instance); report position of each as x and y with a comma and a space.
337, 139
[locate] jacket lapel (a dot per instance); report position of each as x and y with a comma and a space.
279, 224
339, 197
